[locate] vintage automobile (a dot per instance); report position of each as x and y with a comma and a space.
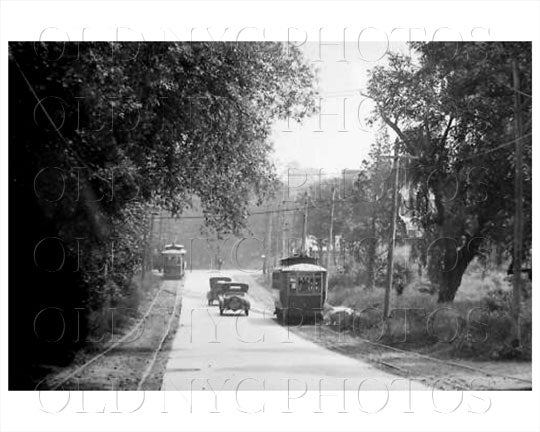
215, 288
233, 296
174, 262
302, 289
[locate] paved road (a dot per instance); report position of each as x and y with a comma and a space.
213, 352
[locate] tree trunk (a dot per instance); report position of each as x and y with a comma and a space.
449, 281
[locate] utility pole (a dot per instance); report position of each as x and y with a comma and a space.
160, 229
304, 225
284, 239
274, 243
150, 240
268, 242
391, 243
143, 266
330, 245
518, 197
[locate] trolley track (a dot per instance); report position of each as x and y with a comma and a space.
450, 364
414, 365
129, 362
172, 317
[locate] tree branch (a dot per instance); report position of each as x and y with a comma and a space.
447, 130
394, 127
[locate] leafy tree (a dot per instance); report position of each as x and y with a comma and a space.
371, 207
452, 110
362, 213
368, 212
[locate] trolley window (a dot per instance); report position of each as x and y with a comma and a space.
292, 283
306, 283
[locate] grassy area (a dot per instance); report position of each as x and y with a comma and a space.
477, 325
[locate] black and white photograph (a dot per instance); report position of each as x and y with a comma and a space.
291, 219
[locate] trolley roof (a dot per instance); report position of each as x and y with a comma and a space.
173, 252
173, 246
172, 249
302, 267
297, 259
300, 263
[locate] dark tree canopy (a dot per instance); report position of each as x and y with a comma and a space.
101, 133
171, 120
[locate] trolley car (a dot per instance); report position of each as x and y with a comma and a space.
174, 263
302, 289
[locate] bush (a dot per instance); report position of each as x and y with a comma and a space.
120, 307
477, 328
342, 280
498, 299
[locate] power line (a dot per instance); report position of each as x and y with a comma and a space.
474, 156
498, 80
262, 212
506, 144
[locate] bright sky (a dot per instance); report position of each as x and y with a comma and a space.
341, 139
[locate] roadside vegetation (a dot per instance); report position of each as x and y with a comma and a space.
122, 350
477, 325
105, 326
